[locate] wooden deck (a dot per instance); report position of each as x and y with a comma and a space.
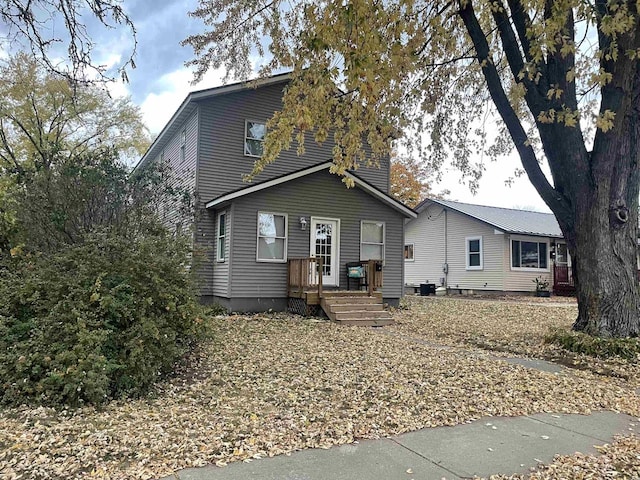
347, 307
311, 296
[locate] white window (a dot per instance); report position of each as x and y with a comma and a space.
371, 240
183, 144
272, 237
474, 253
254, 133
408, 252
222, 237
529, 255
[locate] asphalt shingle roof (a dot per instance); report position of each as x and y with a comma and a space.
508, 220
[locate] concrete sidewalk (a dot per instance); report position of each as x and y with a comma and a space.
488, 446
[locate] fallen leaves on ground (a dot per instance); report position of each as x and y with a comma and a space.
512, 325
621, 459
271, 384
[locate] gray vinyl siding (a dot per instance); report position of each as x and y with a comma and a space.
221, 269
205, 244
523, 280
317, 195
182, 173
222, 162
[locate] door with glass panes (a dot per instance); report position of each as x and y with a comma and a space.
325, 239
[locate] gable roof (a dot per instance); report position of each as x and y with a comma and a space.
508, 220
360, 183
189, 105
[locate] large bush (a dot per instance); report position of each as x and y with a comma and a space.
96, 297
95, 320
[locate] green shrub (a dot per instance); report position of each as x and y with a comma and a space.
215, 309
627, 348
94, 321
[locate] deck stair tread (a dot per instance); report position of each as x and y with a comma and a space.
355, 308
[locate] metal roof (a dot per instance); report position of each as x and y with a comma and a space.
508, 220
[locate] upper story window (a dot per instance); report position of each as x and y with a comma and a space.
529, 255
474, 253
222, 237
272, 237
371, 240
254, 133
183, 144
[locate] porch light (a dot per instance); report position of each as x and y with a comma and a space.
303, 223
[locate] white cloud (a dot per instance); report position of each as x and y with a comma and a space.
158, 106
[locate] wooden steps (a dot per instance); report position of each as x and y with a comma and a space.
355, 308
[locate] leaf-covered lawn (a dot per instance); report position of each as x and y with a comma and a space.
514, 325
277, 383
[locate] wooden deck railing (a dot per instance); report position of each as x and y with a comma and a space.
306, 273
374, 274
562, 275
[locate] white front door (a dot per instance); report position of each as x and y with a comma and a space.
325, 239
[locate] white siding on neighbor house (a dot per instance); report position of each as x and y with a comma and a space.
182, 172
490, 277
426, 233
517, 280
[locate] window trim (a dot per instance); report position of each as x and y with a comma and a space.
286, 238
221, 258
183, 145
246, 137
413, 252
532, 240
468, 265
384, 239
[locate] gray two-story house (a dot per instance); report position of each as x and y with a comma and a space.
265, 239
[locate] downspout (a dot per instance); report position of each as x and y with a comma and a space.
445, 267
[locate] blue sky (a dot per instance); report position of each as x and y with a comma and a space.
161, 81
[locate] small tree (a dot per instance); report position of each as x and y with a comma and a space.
43, 119
411, 181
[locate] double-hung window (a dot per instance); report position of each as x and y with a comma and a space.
474, 253
272, 237
254, 133
183, 144
222, 237
529, 255
371, 240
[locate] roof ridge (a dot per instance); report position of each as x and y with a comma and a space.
490, 206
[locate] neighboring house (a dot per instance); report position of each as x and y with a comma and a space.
250, 233
473, 247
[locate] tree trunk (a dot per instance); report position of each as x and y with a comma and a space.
603, 250
594, 194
